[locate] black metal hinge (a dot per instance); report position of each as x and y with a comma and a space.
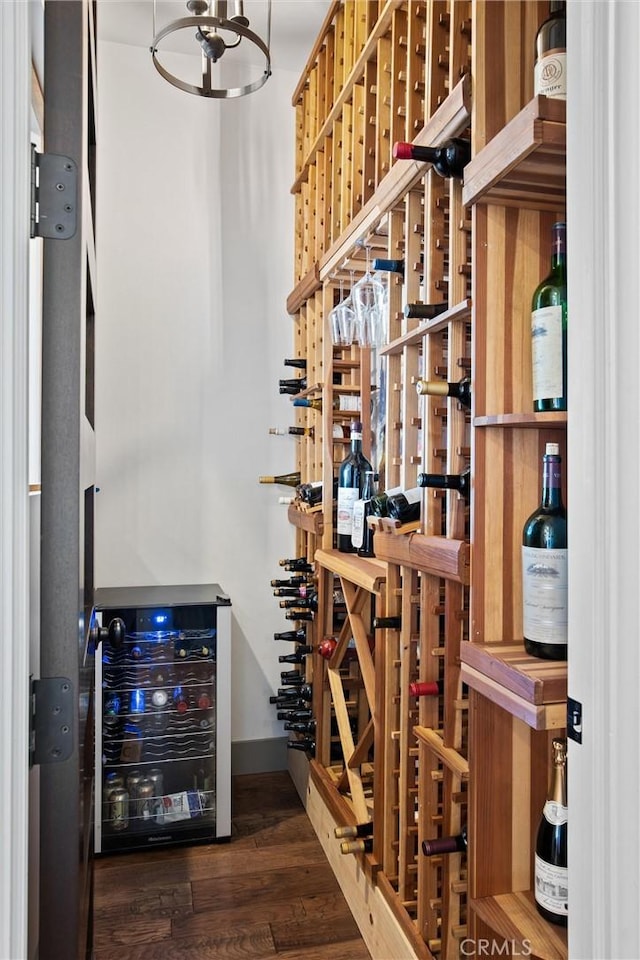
54, 196
51, 735
574, 720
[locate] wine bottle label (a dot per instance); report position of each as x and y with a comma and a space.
347, 496
357, 527
550, 75
544, 594
546, 348
555, 813
552, 888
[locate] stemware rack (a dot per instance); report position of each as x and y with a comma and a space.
477, 753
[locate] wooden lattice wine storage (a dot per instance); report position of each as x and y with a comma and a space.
475, 755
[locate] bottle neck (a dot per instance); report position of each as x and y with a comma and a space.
551, 482
558, 790
559, 247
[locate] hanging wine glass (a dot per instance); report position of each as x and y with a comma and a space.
367, 296
343, 321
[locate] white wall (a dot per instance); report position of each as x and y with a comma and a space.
195, 262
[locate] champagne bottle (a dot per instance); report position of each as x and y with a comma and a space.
439, 845
298, 657
361, 533
361, 845
449, 160
551, 886
293, 385
426, 688
544, 567
550, 71
405, 506
299, 362
288, 479
460, 391
424, 311
306, 745
448, 481
351, 476
296, 636
297, 565
393, 266
347, 403
352, 830
549, 330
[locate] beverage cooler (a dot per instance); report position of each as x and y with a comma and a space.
162, 739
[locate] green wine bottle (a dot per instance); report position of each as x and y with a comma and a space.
288, 479
544, 568
549, 331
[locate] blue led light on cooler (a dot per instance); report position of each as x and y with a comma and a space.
160, 618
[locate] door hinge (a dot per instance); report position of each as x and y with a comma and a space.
54, 195
51, 733
574, 720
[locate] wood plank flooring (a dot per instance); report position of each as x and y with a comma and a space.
268, 893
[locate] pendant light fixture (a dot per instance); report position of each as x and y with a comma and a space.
218, 26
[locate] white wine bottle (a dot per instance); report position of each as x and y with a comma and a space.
549, 331
460, 391
550, 71
551, 875
288, 479
545, 567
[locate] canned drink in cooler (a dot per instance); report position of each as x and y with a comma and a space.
112, 781
119, 809
156, 777
145, 801
133, 780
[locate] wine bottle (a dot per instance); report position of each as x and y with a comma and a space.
551, 876
347, 403
549, 330
379, 502
393, 266
297, 713
439, 845
544, 567
350, 830
550, 71
286, 592
302, 603
293, 385
312, 493
296, 636
448, 481
351, 476
386, 623
288, 700
300, 726
299, 362
362, 845
426, 688
303, 692
288, 479
424, 311
405, 506
460, 391
292, 431
298, 657
449, 160
291, 582
297, 565
361, 533
299, 614
306, 745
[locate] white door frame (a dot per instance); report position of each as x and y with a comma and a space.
15, 101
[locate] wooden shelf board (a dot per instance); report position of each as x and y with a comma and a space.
533, 420
304, 289
458, 764
461, 311
524, 164
369, 573
305, 520
436, 555
535, 680
513, 917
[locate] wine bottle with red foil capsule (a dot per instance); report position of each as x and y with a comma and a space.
449, 160
545, 617
180, 700
426, 688
460, 391
442, 845
550, 872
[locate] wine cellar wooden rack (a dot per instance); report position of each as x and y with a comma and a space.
477, 754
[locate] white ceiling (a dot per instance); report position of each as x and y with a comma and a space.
295, 25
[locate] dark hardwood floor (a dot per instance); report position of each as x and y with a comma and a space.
267, 893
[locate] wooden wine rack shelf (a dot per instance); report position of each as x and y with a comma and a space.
422, 767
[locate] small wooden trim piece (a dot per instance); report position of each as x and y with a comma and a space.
524, 165
536, 681
549, 420
304, 290
440, 556
311, 522
514, 919
460, 312
369, 573
450, 757
544, 716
